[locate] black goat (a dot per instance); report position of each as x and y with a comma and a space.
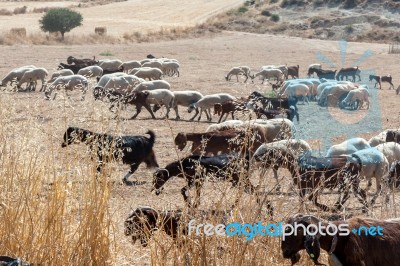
270, 114
84, 61
393, 136
380, 79
349, 72
133, 150
230, 167
73, 68
326, 74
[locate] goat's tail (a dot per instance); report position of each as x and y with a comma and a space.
152, 136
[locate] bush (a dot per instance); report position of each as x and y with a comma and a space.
273, 1
266, 13
20, 10
60, 20
242, 9
349, 29
275, 17
5, 12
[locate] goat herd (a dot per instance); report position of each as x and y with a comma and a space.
230, 150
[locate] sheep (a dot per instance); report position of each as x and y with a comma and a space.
127, 66
110, 64
32, 76
350, 71
147, 73
372, 163
153, 64
68, 83
391, 150
380, 138
314, 173
91, 71
296, 90
294, 146
84, 61
270, 73
161, 97
142, 222
132, 150
360, 94
282, 68
348, 147
207, 102
334, 89
293, 71
170, 68
115, 97
230, 124
273, 103
185, 98
15, 75
62, 72
241, 70
380, 79
153, 85
353, 249
313, 66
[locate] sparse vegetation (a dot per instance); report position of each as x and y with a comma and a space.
243, 9
266, 13
106, 53
275, 17
349, 29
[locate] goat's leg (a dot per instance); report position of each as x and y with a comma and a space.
148, 108
391, 85
138, 110
133, 169
314, 198
220, 118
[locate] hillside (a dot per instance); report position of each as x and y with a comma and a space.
353, 20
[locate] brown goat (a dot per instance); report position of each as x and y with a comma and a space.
215, 141
231, 107
362, 249
293, 71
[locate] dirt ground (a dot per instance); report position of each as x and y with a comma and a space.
123, 17
204, 62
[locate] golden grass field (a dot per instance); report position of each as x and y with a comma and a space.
55, 211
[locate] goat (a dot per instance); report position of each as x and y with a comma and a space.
380, 79
225, 108
74, 68
393, 136
394, 174
348, 249
84, 61
218, 141
143, 221
195, 168
293, 71
350, 71
133, 150
326, 74
270, 114
314, 173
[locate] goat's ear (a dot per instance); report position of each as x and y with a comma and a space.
313, 248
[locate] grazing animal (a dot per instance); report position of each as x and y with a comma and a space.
293, 71
195, 168
393, 136
132, 150
313, 66
394, 174
349, 72
82, 61
380, 79
359, 95
231, 107
349, 249
326, 74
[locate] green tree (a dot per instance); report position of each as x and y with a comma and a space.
60, 20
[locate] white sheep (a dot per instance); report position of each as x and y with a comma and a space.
235, 71
15, 75
277, 128
282, 68
61, 72
128, 65
348, 147
68, 83
391, 150
331, 89
153, 64
185, 98
147, 73
110, 64
360, 94
32, 76
152, 85
380, 138
225, 125
91, 71
297, 90
170, 68
270, 73
161, 97
208, 102
296, 147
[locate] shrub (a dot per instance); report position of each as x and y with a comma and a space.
273, 1
242, 9
20, 10
349, 29
275, 17
266, 13
5, 12
106, 53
